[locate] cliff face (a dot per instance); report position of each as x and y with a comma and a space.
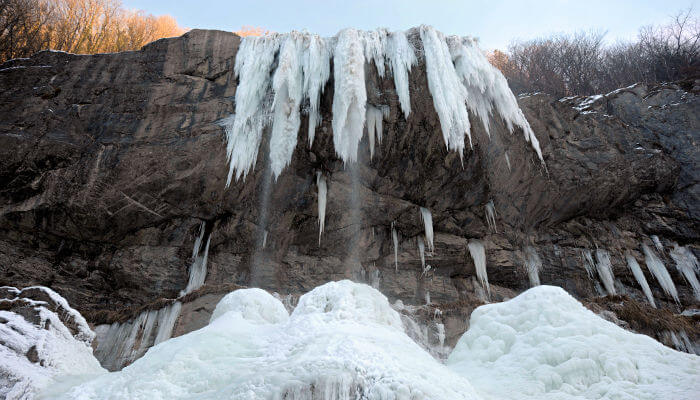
110, 163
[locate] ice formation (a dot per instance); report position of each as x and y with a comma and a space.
588, 262
322, 197
507, 160
342, 341
41, 339
687, 265
604, 267
491, 215
421, 251
533, 264
478, 253
395, 239
543, 344
658, 269
120, 343
427, 218
657, 244
280, 73
639, 276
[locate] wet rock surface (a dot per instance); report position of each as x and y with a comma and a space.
109, 164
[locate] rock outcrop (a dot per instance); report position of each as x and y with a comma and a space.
110, 163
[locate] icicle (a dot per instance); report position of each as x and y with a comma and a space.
508, 161
487, 88
687, 264
658, 269
322, 197
533, 264
244, 131
395, 239
491, 216
374, 117
449, 95
374, 46
478, 253
317, 70
604, 267
441, 334
427, 297
588, 262
641, 279
427, 218
288, 85
350, 96
264, 243
421, 251
657, 244
167, 317
198, 269
402, 57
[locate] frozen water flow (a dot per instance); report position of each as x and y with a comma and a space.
658, 269
401, 58
317, 70
427, 218
491, 216
588, 262
657, 244
478, 253
639, 276
198, 269
533, 264
322, 197
421, 251
395, 239
687, 265
604, 267
375, 116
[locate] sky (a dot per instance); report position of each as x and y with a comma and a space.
495, 23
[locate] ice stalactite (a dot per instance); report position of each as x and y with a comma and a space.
604, 267
449, 94
533, 264
198, 269
395, 239
421, 251
427, 218
244, 131
401, 58
487, 88
322, 197
507, 161
687, 265
317, 71
287, 85
657, 244
588, 262
633, 265
374, 117
478, 253
264, 243
491, 216
350, 95
658, 269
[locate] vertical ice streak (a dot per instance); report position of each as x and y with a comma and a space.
687, 264
317, 70
401, 58
427, 218
478, 253
658, 269
350, 95
374, 117
288, 85
588, 262
491, 216
507, 160
395, 239
639, 276
533, 264
244, 130
604, 267
322, 195
657, 244
421, 251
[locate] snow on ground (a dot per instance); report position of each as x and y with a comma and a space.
544, 344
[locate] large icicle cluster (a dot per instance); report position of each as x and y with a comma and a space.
658, 269
280, 74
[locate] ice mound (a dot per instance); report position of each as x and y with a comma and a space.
544, 344
253, 305
343, 341
41, 337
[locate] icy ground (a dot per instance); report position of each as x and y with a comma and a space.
344, 341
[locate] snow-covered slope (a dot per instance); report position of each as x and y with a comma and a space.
544, 344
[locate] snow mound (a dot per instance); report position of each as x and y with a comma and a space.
544, 344
343, 341
41, 337
253, 305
